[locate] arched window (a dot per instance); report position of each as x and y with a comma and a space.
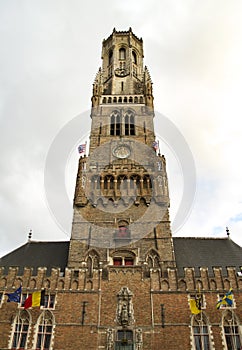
20, 330
124, 258
201, 332
95, 183
231, 331
134, 57
122, 182
110, 57
129, 123
44, 331
92, 262
115, 127
122, 54
147, 182
153, 259
108, 182
135, 183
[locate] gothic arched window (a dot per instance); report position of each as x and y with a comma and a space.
129, 123
135, 183
153, 259
20, 330
108, 182
231, 331
201, 332
115, 127
122, 54
110, 57
134, 57
44, 331
122, 182
92, 262
147, 182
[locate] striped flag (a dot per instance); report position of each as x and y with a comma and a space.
35, 299
155, 145
82, 148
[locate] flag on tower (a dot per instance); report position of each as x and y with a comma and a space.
15, 296
82, 148
155, 145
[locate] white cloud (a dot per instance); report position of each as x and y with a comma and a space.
50, 52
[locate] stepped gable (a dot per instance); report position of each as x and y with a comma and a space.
206, 252
37, 254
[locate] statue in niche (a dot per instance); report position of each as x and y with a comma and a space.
109, 339
83, 181
159, 179
124, 315
139, 339
125, 312
159, 166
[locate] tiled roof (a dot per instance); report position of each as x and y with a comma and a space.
189, 252
38, 254
206, 252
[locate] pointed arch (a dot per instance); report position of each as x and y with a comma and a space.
134, 57
153, 258
44, 331
3, 282
18, 282
122, 53
92, 260
129, 122
115, 125
182, 285
32, 284
47, 283
231, 330
213, 284
20, 330
201, 332
165, 285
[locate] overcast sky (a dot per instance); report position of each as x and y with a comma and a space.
50, 53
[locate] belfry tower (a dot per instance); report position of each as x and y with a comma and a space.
121, 199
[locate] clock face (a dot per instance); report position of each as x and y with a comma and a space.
121, 151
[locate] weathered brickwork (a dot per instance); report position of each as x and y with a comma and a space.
170, 331
122, 288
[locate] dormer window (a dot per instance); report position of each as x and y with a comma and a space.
122, 54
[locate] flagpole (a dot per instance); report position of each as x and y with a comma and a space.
18, 333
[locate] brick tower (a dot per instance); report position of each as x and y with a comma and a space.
122, 282
121, 198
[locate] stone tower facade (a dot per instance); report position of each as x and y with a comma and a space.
123, 282
121, 198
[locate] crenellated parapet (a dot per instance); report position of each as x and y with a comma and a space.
83, 279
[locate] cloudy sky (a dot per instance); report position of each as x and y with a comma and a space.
50, 53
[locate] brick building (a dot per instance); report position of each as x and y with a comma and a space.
122, 282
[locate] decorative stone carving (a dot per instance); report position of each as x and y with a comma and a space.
160, 182
110, 339
83, 179
125, 311
139, 339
